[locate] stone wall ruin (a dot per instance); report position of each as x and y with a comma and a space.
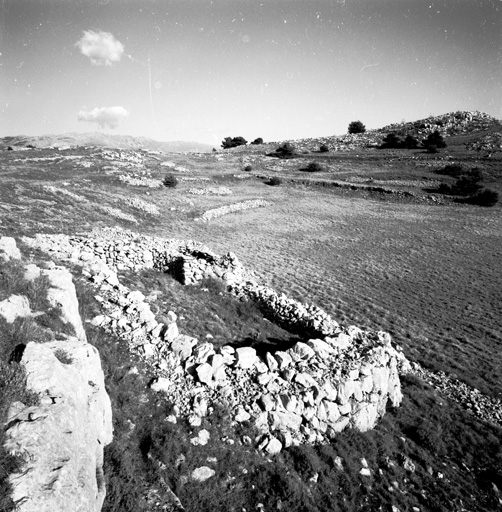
336, 378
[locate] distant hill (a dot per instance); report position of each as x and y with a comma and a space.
470, 126
103, 140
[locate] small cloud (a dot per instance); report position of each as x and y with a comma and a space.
104, 116
101, 47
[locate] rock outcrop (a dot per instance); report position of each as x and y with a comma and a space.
61, 439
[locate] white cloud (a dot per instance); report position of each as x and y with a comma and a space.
104, 116
101, 47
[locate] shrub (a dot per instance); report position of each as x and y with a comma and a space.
170, 181
454, 170
356, 127
287, 150
274, 181
484, 197
313, 167
434, 139
230, 142
248, 168
259, 140
324, 148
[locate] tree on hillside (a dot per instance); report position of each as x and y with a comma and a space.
410, 142
434, 139
356, 127
230, 142
391, 140
259, 140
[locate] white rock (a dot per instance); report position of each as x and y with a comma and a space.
202, 474
274, 446
8, 249
161, 384
246, 357
305, 379
283, 359
241, 415
13, 307
202, 351
282, 420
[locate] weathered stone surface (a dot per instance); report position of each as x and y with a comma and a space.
62, 439
61, 294
202, 474
182, 346
246, 357
13, 307
8, 249
283, 359
285, 420
274, 446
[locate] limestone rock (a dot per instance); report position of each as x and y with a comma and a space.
63, 437
202, 474
13, 307
246, 357
8, 249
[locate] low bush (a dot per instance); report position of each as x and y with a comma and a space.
484, 197
259, 140
454, 170
274, 181
313, 167
170, 181
286, 150
248, 168
323, 148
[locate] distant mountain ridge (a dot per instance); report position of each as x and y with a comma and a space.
104, 140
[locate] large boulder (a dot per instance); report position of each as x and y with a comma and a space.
61, 440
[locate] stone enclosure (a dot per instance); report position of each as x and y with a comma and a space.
336, 378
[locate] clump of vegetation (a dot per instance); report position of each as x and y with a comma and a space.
274, 181
284, 151
230, 142
356, 127
433, 142
485, 197
63, 357
248, 168
468, 184
259, 140
323, 148
392, 141
454, 170
170, 181
313, 167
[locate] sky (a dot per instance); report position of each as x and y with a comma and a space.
202, 70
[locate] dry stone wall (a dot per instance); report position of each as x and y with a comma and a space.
336, 379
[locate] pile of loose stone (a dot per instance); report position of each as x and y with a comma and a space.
139, 204
232, 208
304, 394
210, 191
140, 181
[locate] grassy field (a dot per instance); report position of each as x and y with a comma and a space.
427, 271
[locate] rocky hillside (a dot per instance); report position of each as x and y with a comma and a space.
452, 123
